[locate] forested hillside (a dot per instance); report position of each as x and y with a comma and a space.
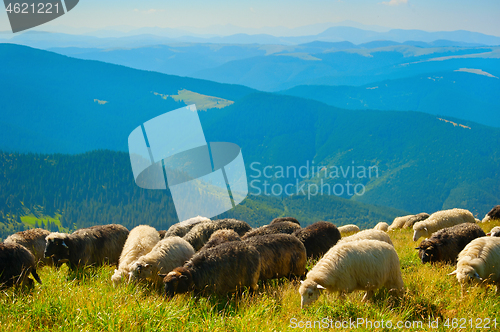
75, 191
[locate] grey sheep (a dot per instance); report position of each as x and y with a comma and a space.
447, 243
284, 227
221, 269
95, 245
318, 238
34, 241
221, 236
182, 228
16, 265
494, 214
281, 219
200, 233
281, 255
414, 219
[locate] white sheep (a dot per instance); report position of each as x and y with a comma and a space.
348, 229
382, 226
495, 231
358, 265
368, 234
169, 253
479, 262
140, 241
439, 220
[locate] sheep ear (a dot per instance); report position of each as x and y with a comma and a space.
182, 276
146, 265
418, 248
452, 273
320, 287
64, 245
161, 275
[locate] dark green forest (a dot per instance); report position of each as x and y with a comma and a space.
98, 188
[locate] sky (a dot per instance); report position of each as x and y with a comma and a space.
430, 15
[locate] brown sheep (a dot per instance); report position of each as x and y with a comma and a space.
200, 234
221, 236
494, 214
34, 241
281, 255
284, 227
446, 244
281, 219
88, 246
16, 264
221, 269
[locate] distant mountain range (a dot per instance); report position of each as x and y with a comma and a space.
424, 162
153, 36
464, 93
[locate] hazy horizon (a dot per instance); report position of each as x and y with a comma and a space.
198, 16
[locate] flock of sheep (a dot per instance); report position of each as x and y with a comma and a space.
221, 256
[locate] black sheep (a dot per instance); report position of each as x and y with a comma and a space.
445, 244
16, 264
318, 238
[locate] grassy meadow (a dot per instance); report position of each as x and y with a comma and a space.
87, 301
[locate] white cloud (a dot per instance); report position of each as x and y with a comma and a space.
395, 2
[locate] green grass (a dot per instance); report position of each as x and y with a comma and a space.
89, 302
203, 102
31, 219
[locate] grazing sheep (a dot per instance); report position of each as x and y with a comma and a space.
414, 219
358, 265
95, 245
16, 264
479, 262
447, 243
494, 214
221, 236
221, 269
281, 255
140, 241
382, 226
318, 238
368, 234
166, 255
495, 231
439, 220
182, 228
346, 229
200, 234
284, 227
290, 219
34, 241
